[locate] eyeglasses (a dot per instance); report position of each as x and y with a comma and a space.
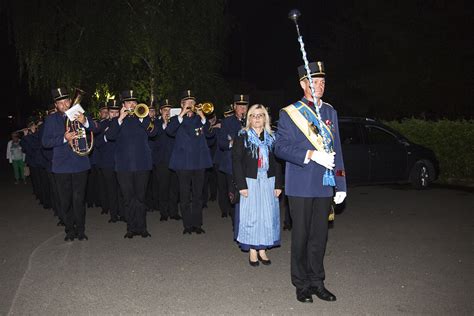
257, 116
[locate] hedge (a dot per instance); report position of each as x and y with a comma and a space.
452, 142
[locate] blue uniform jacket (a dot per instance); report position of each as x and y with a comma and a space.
31, 146
163, 146
105, 149
45, 159
132, 152
291, 145
190, 151
230, 128
65, 160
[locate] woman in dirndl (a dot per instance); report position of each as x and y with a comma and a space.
258, 178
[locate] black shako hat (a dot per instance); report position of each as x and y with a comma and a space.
187, 94
165, 104
113, 105
103, 105
128, 95
316, 70
59, 93
241, 99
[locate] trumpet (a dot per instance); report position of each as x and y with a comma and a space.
206, 107
141, 110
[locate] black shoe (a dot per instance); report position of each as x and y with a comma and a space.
304, 296
104, 212
82, 237
253, 263
176, 217
198, 230
60, 223
286, 226
264, 262
187, 231
128, 235
113, 219
204, 205
163, 218
69, 237
212, 198
223, 215
145, 234
121, 219
322, 293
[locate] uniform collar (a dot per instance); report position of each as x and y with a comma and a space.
310, 103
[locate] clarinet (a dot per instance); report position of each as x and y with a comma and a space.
328, 178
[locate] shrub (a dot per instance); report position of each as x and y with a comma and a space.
452, 142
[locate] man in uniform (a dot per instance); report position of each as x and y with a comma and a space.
312, 176
190, 158
69, 169
231, 125
166, 178
132, 161
106, 163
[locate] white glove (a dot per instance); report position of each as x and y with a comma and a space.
324, 159
339, 197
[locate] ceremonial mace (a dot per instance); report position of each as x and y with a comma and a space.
328, 178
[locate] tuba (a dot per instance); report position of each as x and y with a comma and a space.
83, 143
207, 108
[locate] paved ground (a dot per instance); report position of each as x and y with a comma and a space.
392, 251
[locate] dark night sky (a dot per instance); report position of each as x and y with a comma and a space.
263, 51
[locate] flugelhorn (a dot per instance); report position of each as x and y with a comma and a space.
206, 107
141, 110
84, 142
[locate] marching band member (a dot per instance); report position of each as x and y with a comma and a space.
132, 162
167, 179
106, 163
309, 198
190, 158
69, 169
95, 182
231, 125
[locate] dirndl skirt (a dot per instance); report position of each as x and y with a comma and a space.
257, 217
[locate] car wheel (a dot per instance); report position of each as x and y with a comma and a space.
422, 174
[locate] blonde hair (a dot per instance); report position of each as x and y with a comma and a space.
265, 112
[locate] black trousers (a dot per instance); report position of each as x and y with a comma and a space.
93, 196
210, 185
230, 184
190, 195
223, 192
133, 186
168, 190
151, 196
54, 195
34, 175
71, 188
110, 193
308, 240
45, 189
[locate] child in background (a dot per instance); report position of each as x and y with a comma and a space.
16, 157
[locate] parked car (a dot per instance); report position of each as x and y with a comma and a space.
375, 153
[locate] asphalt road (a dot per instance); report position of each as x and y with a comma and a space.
393, 251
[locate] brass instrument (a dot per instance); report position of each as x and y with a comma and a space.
207, 108
83, 143
141, 110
